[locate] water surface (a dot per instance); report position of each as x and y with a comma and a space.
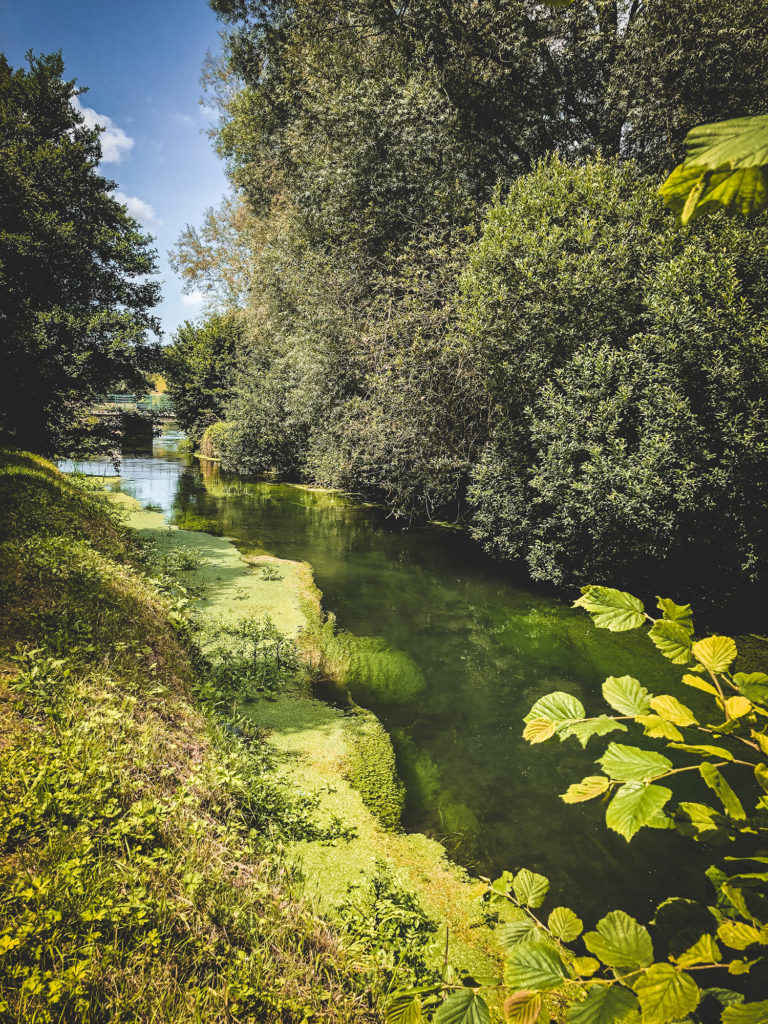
479, 647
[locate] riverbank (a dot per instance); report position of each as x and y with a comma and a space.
142, 837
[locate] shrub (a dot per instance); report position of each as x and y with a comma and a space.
627, 364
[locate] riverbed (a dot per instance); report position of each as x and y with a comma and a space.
473, 646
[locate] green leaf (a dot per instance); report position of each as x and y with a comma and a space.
584, 731
463, 1007
705, 749
704, 951
531, 889
587, 789
535, 967
564, 924
630, 764
557, 707
634, 806
761, 776
658, 728
611, 609
737, 934
724, 166
620, 942
689, 192
741, 966
666, 994
679, 613
605, 1004
700, 818
754, 686
747, 1013
403, 1008
515, 932
670, 708
523, 1007
715, 653
626, 695
716, 781
672, 640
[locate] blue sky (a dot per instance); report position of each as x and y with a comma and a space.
141, 62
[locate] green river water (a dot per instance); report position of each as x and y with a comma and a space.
462, 650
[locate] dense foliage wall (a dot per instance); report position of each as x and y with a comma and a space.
460, 294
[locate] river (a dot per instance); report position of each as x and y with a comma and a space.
480, 646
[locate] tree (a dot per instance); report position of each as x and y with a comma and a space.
75, 297
199, 365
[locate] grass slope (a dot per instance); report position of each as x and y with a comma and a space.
140, 869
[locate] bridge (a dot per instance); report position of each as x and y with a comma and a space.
160, 405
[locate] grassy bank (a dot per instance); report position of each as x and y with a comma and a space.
141, 865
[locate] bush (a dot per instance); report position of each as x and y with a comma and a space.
627, 364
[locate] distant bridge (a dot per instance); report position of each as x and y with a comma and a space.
156, 403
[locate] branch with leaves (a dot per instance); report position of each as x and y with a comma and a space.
623, 974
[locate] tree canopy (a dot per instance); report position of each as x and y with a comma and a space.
76, 294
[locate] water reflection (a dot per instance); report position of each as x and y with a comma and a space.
482, 648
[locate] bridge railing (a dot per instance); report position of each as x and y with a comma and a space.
131, 403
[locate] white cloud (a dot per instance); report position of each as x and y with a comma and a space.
143, 212
184, 118
193, 298
114, 142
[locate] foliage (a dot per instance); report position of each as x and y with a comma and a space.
626, 972
198, 366
77, 289
612, 345
726, 166
252, 656
386, 919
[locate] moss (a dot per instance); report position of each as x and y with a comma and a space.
371, 768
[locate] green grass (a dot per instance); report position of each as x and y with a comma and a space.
141, 873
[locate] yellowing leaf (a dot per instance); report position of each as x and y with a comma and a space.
587, 789
737, 707
539, 730
585, 966
704, 951
700, 684
658, 728
672, 710
523, 1007
715, 653
737, 934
